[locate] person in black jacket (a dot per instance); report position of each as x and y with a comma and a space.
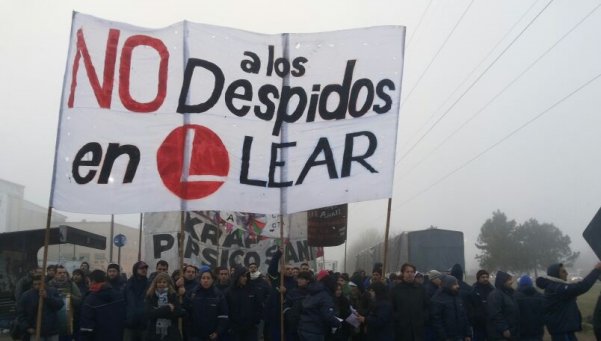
135, 292
449, 313
244, 307
317, 317
379, 321
27, 309
410, 306
293, 304
562, 316
207, 310
113, 272
503, 311
531, 303
478, 301
102, 314
273, 302
162, 310
342, 310
464, 289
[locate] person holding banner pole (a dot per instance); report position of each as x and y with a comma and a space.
281, 282
38, 321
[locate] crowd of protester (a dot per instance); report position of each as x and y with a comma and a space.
241, 303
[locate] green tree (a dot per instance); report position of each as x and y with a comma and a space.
541, 245
530, 246
496, 242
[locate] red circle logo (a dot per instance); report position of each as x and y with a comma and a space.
193, 162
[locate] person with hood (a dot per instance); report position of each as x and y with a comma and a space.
102, 314
379, 320
531, 304
410, 305
478, 302
503, 312
113, 273
206, 310
27, 310
562, 316
464, 289
449, 314
317, 317
244, 307
134, 294
163, 309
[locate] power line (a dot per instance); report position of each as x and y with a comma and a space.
505, 138
494, 98
473, 83
419, 23
490, 52
436, 54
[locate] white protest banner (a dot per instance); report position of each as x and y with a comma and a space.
199, 117
224, 238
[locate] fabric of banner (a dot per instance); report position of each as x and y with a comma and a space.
199, 117
225, 238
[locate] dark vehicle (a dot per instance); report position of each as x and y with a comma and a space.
19, 252
429, 249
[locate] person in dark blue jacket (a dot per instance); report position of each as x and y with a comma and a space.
503, 311
27, 309
293, 304
464, 289
562, 316
244, 307
102, 314
207, 310
448, 312
478, 302
531, 303
135, 292
273, 302
379, 321
317, 317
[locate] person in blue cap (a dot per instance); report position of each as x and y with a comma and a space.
531, 304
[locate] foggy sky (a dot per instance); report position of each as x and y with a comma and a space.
529, 149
